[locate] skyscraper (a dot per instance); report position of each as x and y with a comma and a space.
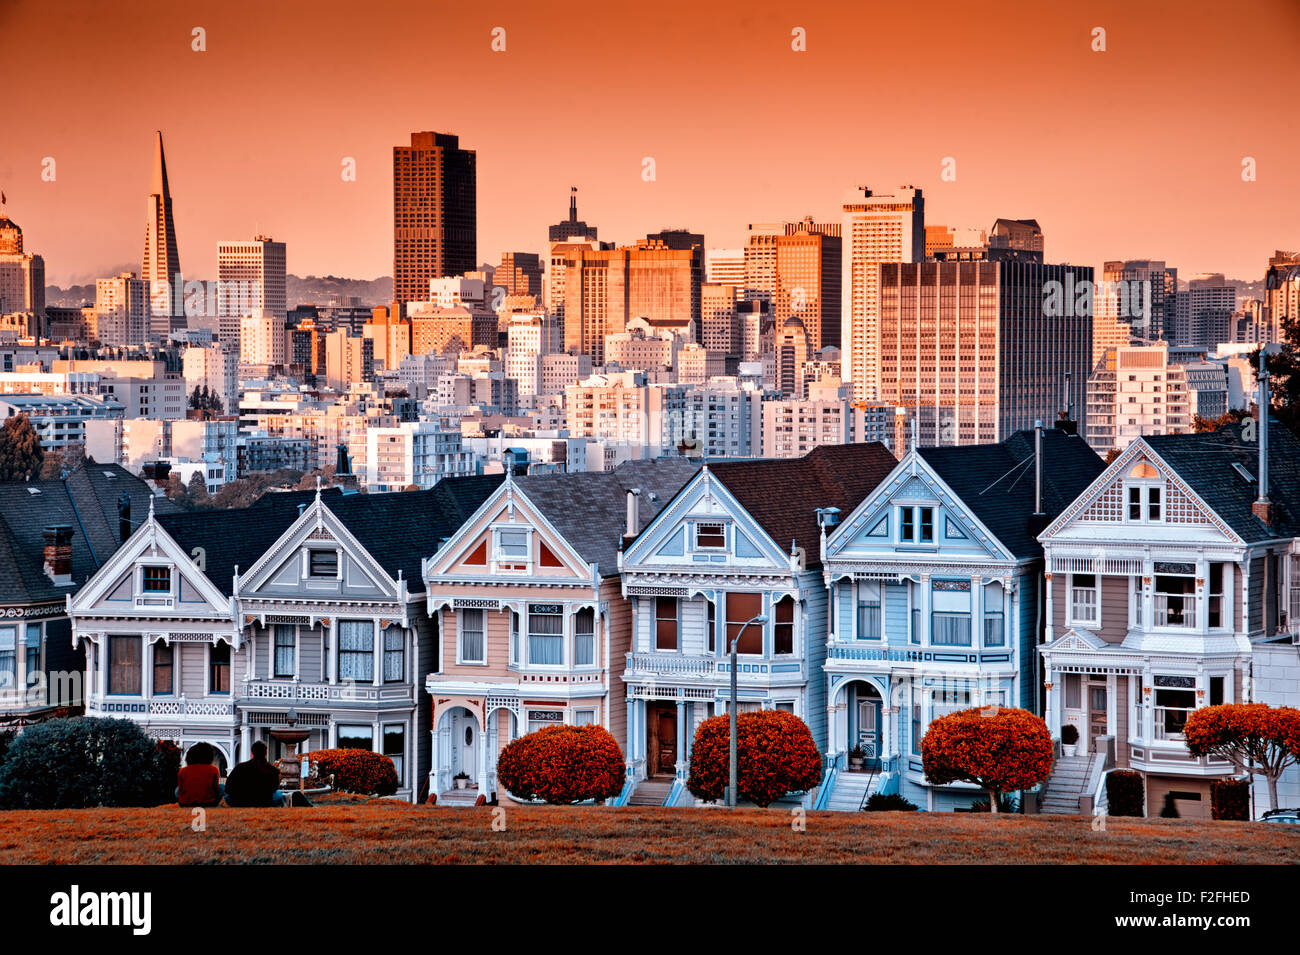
796, 268
434, 213
250, 283
1141, 293
572, 227
161, 268
1281, 292
877, 228
22, 276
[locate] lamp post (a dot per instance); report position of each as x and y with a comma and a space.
731, 710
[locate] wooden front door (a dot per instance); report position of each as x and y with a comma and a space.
1096, 713
667, 725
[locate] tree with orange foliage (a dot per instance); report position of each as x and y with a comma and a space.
997, 748
563, 765
775, 755
1264, 739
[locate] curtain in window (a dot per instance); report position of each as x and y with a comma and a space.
950, 629
33, 651
285, 639
584, 638
742, 608
394, 654
471, 636
994, 631
124, 665
8, 657
163, 656
545, 638
357, 650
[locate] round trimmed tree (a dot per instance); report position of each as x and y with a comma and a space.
563, 765
775, 755
998, 749
1264, 739
356, 770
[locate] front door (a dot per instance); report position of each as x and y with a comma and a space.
1096, 713
468, 742
869, 728
667, 740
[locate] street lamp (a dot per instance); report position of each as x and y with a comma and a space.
732, 761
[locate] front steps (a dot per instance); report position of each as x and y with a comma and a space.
850, 791
650, 792
1065, 786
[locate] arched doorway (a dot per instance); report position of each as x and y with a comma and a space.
860, 721
459, 749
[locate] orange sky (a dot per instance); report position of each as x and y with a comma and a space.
1135, 152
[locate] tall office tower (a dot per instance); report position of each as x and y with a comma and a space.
1281, 292
877, 228
725, 267
22, 274
603, 288
796, 268
553, 283
520, 273
572, 227
1024, 235
791, 356
162, 264
122, 310
1141, 293
434, 219
250, 283
719, 331
979, 349
1203, 312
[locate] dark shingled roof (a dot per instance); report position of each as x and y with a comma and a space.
590, 508
1205, 462
783, 494
397, 529
996, 481
85, 500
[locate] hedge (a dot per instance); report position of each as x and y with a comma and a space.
356, 771
889, 802
87, 762
563, 765
775, 755
1125, 792
1230, 799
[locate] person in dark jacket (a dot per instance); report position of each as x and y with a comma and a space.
255, 782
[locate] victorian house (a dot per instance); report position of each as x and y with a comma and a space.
304, 611
734, 557
1165, 575
54, 535
934, 587
532, 623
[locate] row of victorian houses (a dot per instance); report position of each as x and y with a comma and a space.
868, 595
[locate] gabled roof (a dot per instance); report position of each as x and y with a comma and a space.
996, 482
783, 495
85, 500
589, 509
1205, 462
398, 530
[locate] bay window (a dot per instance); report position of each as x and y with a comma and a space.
546, 634
1175, 700
472, 642
741, 608
783, 626
357, 651
8, 657
286, 643
584, 638
1083, 599
33, 650
666, 626
1175, 596
124, 666
951, 612
394, 654
1214, 609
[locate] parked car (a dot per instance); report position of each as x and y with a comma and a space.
1285, 816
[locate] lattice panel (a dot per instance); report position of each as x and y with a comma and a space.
1181, 509
1109, 507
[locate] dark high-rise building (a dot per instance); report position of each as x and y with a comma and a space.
161, 267
520, 273
572, 227
434, 213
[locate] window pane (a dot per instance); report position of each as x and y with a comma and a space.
163, 656
356, 737
394, 654
356, 650
950, 629
665, 623
710, 535
33, 650
584, 638
927, 523
783, 626
546, 639
471, 636
285, 639
741, 608
219, 668
324, 563
123, 665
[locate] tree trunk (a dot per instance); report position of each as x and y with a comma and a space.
1272, 790
993, 800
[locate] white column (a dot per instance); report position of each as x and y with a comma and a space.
976, 612
1202, 595
680, 768
926, 595
328, 647
482, 758
1148, 595
146, 668
433, 761
1049, 610
378, 651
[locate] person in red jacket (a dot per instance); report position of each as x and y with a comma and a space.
199, 783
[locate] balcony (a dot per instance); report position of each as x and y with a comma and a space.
211, 710
677, 666
323, 694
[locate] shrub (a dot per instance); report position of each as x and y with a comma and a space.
1069, 734
775, 755
1230, 799
357, 770
889, 802
563, 765
999, 749
168, 756
1124, 792
85, 762
6, 740
1005, 804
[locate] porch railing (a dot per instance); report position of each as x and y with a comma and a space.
288, 691
672, 664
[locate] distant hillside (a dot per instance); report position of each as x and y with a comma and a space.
314, 289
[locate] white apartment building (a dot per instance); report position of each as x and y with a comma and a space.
262, 339
250, 281
419, 453
696, 364
49, 383
59, 420
213, 367
122, 310
561, 370
459, 291
531, 335
793, 427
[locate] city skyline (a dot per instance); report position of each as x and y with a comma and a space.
1179, 196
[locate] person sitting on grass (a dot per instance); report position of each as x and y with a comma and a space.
254, 783
199, 782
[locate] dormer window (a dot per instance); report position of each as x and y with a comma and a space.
323, 563
710, 536
157, 580
512, 544
916, 525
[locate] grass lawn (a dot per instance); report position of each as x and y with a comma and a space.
359, 831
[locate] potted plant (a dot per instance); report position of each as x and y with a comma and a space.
1069, 740
857, 755
461, 780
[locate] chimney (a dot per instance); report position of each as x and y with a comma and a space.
633, 511
1263, 507
58, 554
124, 516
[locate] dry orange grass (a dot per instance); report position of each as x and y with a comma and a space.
382, 831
